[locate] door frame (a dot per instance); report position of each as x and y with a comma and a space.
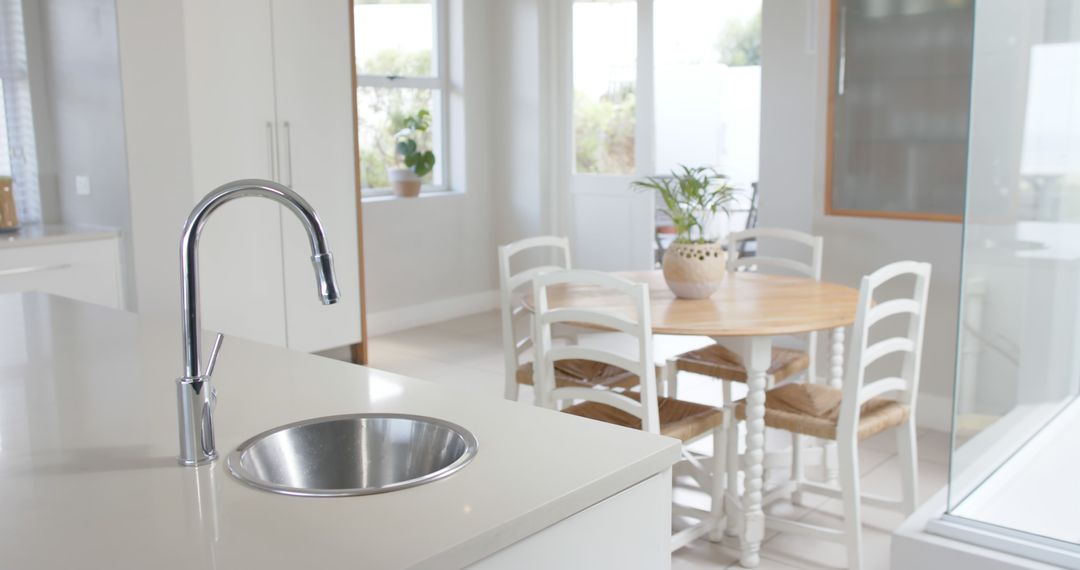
557, 72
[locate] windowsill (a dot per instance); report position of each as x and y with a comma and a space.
386, 195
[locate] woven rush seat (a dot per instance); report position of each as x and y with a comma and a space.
814, 409
679, 419
719, 362
584, 373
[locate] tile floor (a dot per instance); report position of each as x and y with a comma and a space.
466, 353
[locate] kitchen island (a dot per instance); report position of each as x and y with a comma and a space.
89, 478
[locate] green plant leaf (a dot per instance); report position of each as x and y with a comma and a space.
687, 195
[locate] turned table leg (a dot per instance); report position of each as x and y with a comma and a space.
757, 356
836, 380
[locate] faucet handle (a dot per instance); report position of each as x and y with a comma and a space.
212, 362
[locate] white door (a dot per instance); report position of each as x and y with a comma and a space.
231, 104
312, 48
607, 91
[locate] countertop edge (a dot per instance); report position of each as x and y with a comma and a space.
529, 523
53, 234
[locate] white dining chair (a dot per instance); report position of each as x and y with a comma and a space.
859, 409
516, 330
641, 408
718, 362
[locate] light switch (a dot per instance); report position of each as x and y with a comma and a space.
82, 185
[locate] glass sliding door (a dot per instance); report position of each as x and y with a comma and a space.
1015, 452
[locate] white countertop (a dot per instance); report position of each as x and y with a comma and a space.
41, 234
88, 475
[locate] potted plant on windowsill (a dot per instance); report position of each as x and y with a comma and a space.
405, 181
694, 264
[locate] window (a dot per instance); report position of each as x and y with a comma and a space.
401, 70
18, 155
705, 78
708, 85
605, 79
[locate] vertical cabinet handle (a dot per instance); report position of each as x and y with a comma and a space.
841, 74
288, 152
270, 151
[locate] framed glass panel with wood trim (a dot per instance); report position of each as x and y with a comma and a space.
899, 99
401, 79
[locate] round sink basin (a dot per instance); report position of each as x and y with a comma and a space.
356, 454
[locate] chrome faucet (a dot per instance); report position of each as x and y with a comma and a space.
195, 395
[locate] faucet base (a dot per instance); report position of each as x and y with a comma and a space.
197, 462
195, 407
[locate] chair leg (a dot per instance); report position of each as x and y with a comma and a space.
906, 444
720, 435
671, 379
512, 389
829, 460
797, 471
849, 487
732, 463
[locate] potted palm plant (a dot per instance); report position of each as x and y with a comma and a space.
694, 264
405, 180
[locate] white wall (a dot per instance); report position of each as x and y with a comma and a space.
519, 115
86, 117
792, 194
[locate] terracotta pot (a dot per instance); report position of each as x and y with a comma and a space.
404, 182
694, 270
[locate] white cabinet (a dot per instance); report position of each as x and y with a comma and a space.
270, 96
313, 83
79, 265
629, 530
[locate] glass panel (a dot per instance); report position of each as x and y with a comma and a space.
900, 113
395, 37
605, 76
382, 113
1015, 449
708, 85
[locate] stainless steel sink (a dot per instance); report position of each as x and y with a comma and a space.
356, 454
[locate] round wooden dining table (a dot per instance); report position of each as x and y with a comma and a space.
744, 315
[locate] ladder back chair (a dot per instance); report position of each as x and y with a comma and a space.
516, 330
641, 408
859, 409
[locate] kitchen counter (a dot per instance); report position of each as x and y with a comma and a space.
41, 234
89, 479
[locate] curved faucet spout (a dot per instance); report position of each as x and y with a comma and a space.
196, 437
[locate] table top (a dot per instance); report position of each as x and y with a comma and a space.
746, 304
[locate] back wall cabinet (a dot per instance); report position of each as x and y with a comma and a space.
270, 96
898, 108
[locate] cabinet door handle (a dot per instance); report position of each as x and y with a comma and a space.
270, 150
34, 269
288, 152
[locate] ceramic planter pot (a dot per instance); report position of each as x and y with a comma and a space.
694, 270
404, 182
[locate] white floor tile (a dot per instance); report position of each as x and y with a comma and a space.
934, 447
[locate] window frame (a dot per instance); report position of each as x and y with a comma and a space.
440, 83
18, 102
